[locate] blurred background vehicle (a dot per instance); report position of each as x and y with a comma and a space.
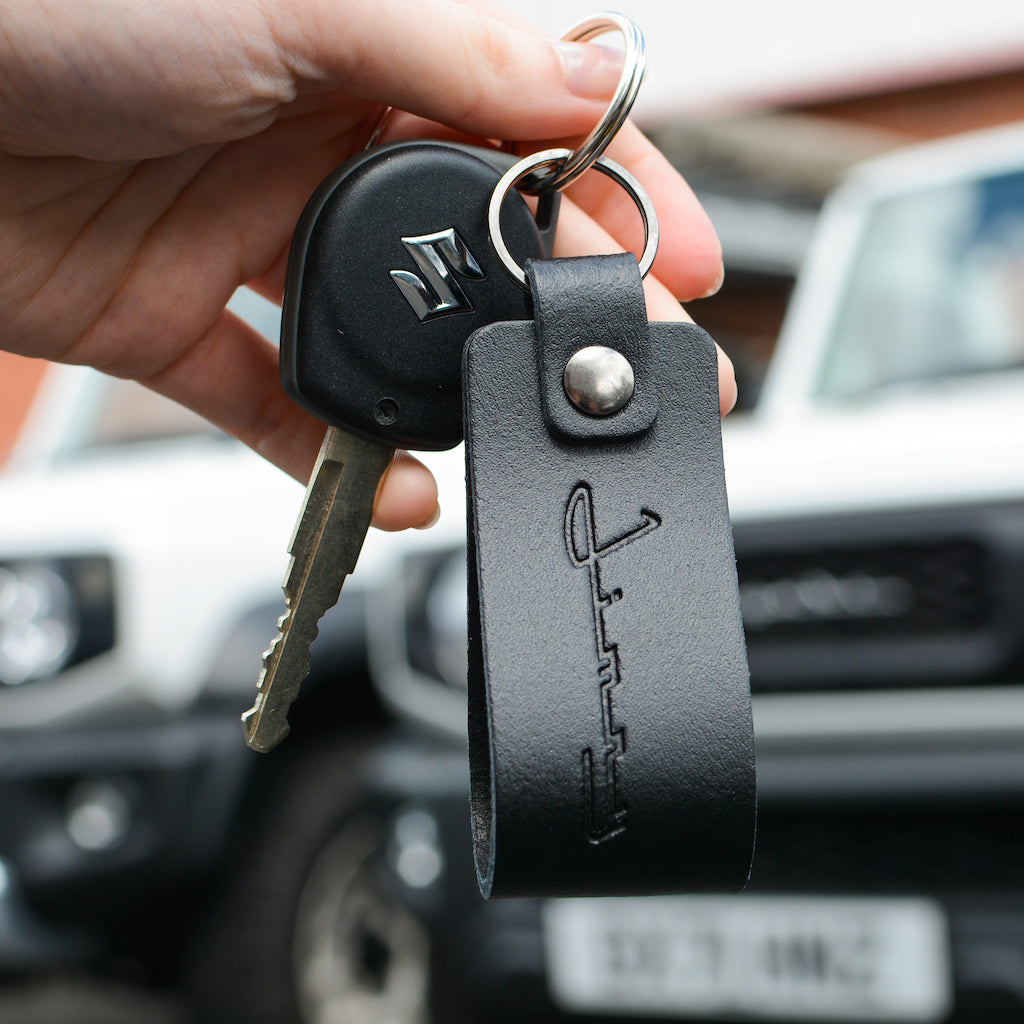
877, 491
140, 567
877, 495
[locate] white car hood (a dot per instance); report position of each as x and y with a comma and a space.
198, 535
934, 445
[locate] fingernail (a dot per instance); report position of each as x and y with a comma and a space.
591, 71
432, 521
717, 286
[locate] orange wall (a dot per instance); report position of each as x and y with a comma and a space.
936, 109
19, 379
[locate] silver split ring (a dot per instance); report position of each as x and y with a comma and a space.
552, 158
633, 68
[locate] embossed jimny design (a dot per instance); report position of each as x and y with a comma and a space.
604, 807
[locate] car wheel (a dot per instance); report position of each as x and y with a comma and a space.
304, 929
358, 955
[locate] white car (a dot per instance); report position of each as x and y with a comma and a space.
878, 501
141, 559
877, 496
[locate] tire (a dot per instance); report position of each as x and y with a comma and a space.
304, 931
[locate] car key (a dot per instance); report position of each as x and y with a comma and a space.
328, 536
390, 271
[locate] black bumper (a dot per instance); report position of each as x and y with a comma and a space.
99, 826
965, 853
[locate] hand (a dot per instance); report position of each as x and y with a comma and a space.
154, 157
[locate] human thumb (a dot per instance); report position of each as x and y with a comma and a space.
482, 73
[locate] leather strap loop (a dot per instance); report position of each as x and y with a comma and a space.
611, 749
575, 307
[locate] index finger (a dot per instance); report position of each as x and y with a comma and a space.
689, 261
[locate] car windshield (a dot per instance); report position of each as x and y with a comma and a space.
937, 290
125, 412
130, 413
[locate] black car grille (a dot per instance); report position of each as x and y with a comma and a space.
942, 851
912, 598
867, 591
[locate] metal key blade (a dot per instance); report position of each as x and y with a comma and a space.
324, 548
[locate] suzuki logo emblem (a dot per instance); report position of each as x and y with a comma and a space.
437, 293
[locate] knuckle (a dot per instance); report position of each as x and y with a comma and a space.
492, 58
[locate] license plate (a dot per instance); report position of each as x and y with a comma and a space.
762, 957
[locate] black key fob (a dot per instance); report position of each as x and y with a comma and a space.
391, 270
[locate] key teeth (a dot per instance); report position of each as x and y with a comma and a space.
282, 630
253, 721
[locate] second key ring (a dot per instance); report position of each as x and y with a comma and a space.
633, 69
553, 158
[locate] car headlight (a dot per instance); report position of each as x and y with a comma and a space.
416, 639
52, 615
445, 611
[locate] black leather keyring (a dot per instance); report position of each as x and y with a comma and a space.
611, 749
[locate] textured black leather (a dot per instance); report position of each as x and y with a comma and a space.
611, 749
577, 301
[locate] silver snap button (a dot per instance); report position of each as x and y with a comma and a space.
598, 380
